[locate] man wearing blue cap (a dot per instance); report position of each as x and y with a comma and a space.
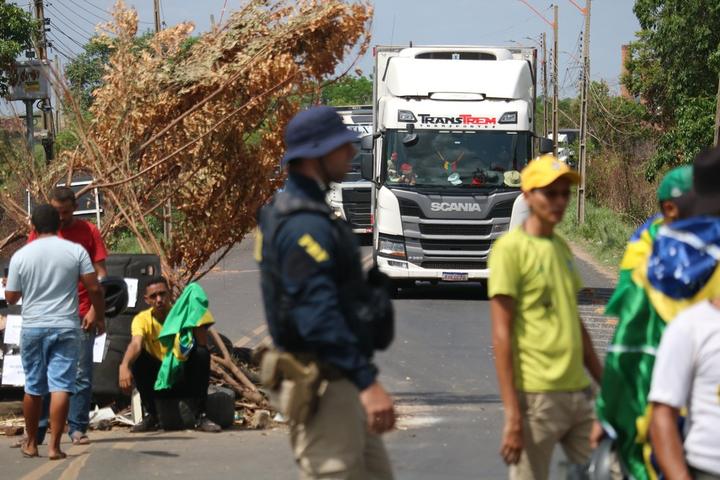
312, 281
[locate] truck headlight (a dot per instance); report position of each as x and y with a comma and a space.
392, 247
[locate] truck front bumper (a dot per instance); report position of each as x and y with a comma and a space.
397, 269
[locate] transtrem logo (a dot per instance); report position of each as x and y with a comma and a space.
454, 207
463, 119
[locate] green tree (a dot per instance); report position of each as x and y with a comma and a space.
348, 90
17, 28
84, 73
673, 68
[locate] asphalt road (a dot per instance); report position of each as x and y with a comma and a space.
439, 369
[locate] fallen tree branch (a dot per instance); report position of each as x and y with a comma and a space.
227, 362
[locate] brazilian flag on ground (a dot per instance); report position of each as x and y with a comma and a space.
664, 270
189, 311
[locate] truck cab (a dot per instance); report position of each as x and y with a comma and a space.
351, 197
453, 127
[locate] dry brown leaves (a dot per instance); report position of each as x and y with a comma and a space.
202, 129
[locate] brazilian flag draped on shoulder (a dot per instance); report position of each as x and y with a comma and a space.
665, 269
190, 311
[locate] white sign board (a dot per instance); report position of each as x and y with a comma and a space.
99, 348
132, 289
13, 324
29, 81
13, 373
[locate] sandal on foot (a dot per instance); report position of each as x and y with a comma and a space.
58, 456
79, 438
27, 454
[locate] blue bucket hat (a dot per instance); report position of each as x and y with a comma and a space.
315, 132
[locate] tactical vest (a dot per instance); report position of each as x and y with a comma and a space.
365, 305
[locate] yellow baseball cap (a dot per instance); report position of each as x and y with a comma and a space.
543, 171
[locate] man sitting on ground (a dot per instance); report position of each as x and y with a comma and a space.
146, 352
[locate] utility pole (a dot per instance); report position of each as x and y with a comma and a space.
156, 7
45, 104
556, 92
42, 44
717, 116
545, 84
58, 94
584, 91
167, 208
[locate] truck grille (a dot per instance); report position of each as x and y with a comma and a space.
461, 245
454, 229
455, 265
356, 203
409, 208
502, 209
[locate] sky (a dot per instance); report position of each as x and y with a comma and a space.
471, 22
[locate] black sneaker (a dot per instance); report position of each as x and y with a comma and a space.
204, 424
148, 424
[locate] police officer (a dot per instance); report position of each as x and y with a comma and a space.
310, 264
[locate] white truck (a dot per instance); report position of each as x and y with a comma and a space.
453, 127
351, 198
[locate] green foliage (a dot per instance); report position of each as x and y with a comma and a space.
604, 233
348, 91
66, 140
85, 72
17, 29
692, 132
674, 68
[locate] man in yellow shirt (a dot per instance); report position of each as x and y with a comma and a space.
541, 346
144, 356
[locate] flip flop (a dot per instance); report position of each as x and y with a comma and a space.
59, 456
27, 454
79, 438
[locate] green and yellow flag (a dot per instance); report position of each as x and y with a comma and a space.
190, 311
664, 270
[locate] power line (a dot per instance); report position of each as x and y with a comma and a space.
62, 27
97, 7
62, 51
59, 30
68, 21
107, 12
498, 32
104, 19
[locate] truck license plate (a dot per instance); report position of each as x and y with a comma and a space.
454, 277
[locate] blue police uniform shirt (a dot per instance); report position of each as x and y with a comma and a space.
307, 249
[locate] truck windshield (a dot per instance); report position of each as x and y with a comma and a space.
456, 159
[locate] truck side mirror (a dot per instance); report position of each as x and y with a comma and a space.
367, 142
366, 165
411, 138
546, 146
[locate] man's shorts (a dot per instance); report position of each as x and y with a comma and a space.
49, 358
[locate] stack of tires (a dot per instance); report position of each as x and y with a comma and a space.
141, 267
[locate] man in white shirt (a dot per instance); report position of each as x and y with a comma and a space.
45, 274
687, 373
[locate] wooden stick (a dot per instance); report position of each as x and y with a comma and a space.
216, 367
226, 361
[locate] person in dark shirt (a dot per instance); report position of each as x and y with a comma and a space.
308, 256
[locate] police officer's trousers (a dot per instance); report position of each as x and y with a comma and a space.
335, 443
